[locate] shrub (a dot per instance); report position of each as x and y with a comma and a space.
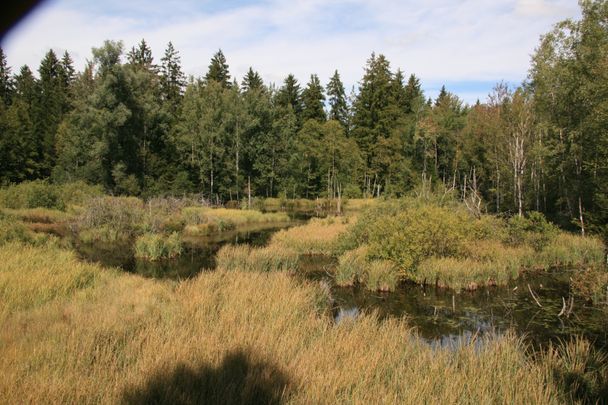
413, 234
41, 194
153, 246
532, 230
111, 218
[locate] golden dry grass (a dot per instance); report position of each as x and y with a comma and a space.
225, 337
318, 236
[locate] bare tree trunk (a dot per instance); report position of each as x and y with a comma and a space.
580, 215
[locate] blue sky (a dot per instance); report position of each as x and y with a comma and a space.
468, 45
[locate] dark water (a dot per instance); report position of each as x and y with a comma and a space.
198, 253
446, 317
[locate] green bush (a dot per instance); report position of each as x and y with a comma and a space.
41, 194
532, 230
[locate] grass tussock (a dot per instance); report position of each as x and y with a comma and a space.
568, 250
246, 258
154, 246
351, 267
231, 337
318, 236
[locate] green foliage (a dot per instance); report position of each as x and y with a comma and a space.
42, 194
532, 230
153, 246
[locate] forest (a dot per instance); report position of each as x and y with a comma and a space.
139, 127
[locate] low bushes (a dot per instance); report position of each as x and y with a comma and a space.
153, 246
246, 258
41, 194
109, 219
444, 245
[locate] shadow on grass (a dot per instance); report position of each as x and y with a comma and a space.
237, 380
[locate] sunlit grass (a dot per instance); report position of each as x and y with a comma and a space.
318, 236
78, 333
264, 259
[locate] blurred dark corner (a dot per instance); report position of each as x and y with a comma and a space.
13, 12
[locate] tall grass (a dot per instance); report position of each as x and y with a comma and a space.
77, 333
154, 246
351, 267
246, 258
318, 236
205, 221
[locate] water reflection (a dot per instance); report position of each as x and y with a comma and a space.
198, 253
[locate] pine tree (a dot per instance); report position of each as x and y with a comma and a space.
338, 107
313, 100
252, 81
6, 81
218, 70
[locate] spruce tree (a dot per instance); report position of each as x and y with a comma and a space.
6, 81
218, 70
313, 100
141, 56
289, 95
338, 107
172, 78
413, 94
252, 81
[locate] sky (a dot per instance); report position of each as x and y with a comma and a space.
468, 45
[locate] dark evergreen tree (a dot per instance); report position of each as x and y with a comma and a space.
6, 81
252, 81
338, 106
313, 100
413, 94
218, 70
172, 80
142, 56
289, 95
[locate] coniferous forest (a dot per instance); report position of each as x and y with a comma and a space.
135, 124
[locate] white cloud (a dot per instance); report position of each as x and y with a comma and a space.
439, 40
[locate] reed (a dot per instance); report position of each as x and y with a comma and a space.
381, 275
154, 246
572, 250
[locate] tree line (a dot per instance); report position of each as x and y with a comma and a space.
142, 128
